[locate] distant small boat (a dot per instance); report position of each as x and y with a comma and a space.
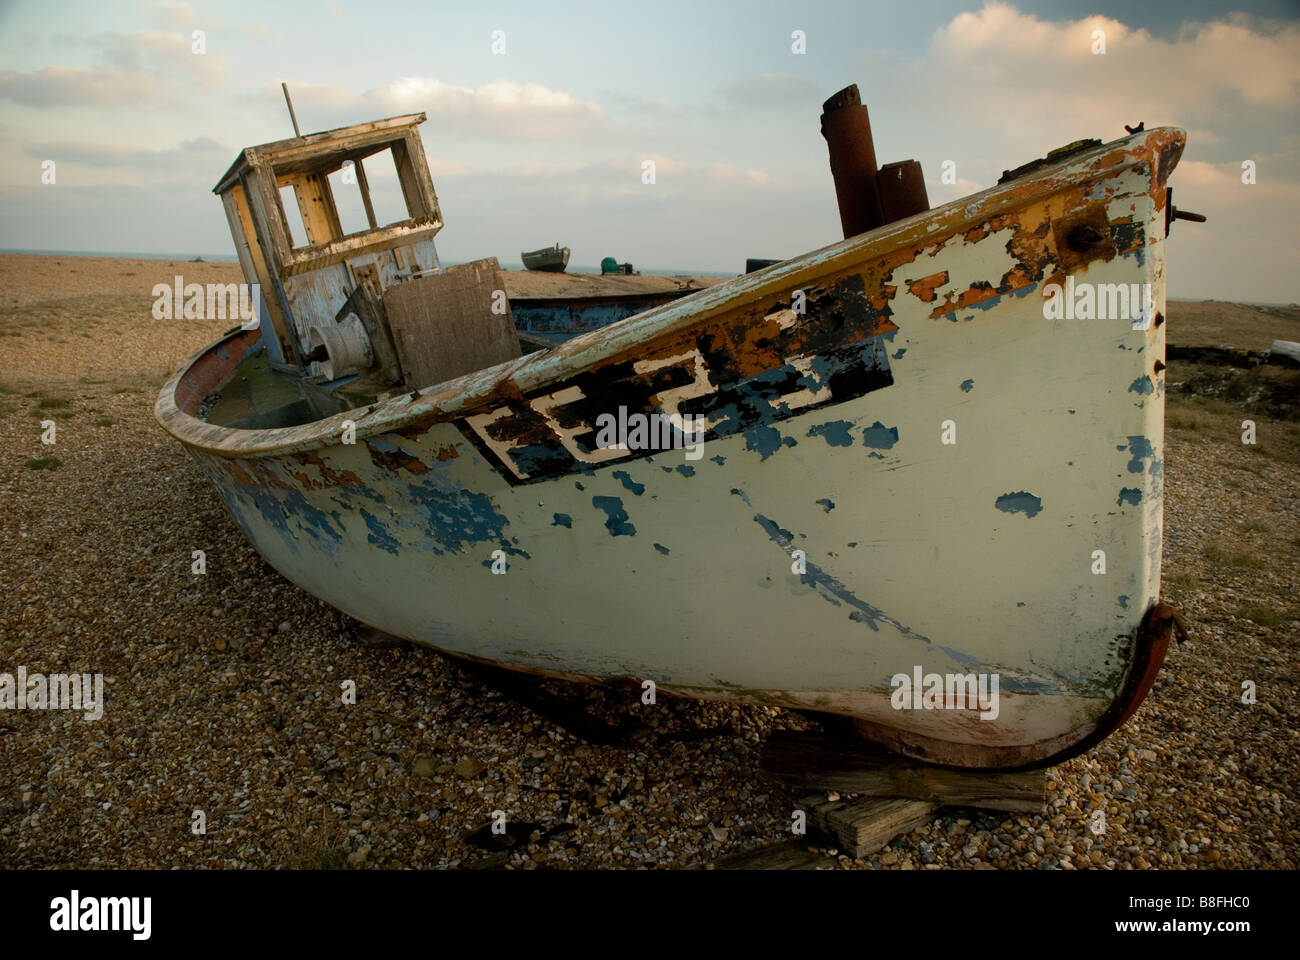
549, 259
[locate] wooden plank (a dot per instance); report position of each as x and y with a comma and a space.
253, 262
443, 324
271, 231
413, 175
865, 825
363, 185
309, 259
316, 204
853, 766
423, 178
306, 150
537, 285
785, 855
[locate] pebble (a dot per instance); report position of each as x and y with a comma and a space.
241, 707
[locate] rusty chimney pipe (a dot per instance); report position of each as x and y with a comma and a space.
902, 192
847, 130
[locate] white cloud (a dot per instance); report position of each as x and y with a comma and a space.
499, 110
173, 13
141, 67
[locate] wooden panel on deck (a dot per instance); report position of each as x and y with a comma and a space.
863, 826
253, 262
443, 325
316, 204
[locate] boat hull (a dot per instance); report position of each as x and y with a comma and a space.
913, 475
550, 260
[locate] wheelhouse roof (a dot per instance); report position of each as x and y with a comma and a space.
324, 151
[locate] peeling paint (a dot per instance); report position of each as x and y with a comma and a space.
879, 436
616, 520
628, 482
1019, 502
831, 589
836, 432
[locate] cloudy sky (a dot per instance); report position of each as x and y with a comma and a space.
545, 141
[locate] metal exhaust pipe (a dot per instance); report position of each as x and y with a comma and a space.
847, 130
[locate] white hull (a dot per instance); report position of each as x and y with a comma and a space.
970, 557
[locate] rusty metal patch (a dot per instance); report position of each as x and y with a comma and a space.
731, 377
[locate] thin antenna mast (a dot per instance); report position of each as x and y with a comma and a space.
285, 87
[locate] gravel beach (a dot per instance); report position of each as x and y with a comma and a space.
222, 689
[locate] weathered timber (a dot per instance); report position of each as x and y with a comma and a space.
785, 855
449, 324
865, 825
852, 766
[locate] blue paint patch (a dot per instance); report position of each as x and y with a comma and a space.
1130, 495
307, 518
1020, 604
662, 549
831, 589
1123, 602
898, 354
853, 543
616, 521
766, 441
1143, 385
686, 470
1019, 502
879, 436
563, 520
740, 493
827, 504
628, 482
1027, 685
967, 386
1141, 449
579, 485
538, 459
961, 657
378, 535
719, 460
664, 469
456, 518
836, 432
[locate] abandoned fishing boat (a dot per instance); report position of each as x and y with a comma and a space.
899, 457
549, 259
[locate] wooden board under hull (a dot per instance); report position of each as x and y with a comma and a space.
828, 539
